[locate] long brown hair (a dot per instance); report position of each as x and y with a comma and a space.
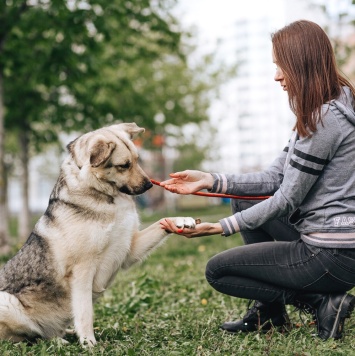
304, 53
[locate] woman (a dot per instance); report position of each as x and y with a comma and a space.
300, 243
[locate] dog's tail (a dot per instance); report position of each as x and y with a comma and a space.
15, 325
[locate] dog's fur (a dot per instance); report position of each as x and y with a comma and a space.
88, 232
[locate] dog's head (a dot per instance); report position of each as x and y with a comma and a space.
108, 160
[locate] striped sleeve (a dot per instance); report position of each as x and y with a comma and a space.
257, 183
229, 225
307, 163
308, 159
219, 184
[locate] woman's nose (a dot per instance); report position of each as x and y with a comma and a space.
278, 75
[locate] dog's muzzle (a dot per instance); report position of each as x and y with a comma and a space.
136, 190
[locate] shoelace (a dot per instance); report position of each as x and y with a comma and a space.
251, 310
306, 309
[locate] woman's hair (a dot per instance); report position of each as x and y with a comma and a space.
304, 53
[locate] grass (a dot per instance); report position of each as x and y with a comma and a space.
165, 307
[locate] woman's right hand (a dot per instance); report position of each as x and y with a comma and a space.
188, 182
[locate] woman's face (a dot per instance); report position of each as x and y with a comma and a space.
279, 76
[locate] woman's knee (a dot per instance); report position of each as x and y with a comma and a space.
220, 265
211, 268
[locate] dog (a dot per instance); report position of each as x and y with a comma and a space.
88, 233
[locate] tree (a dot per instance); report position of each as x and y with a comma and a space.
77, 65
342, 39
4, 239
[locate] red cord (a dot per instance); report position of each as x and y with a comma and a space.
216, 195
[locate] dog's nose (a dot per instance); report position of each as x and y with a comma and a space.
148, 185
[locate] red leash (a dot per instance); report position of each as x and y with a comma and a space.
216, 195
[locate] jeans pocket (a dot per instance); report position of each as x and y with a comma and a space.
304, 254
328, 283
345, 259
314, 250
347, 253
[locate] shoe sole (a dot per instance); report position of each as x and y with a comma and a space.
264, 328
345, 309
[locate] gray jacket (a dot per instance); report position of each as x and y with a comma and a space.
313, 181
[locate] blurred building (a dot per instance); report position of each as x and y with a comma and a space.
258, 122
261, 121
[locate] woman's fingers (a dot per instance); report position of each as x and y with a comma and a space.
180, 175
201, 229
174, 178
169, 225
167, 182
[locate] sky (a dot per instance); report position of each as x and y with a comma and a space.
213, 25
214, 19
223, 12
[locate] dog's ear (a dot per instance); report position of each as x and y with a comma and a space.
100, 152
70, 146
132, 129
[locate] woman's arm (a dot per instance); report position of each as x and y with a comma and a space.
265, 182
309, 157
202, 229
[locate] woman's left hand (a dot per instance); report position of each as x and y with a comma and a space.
202, 229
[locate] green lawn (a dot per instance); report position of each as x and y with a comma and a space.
165, 307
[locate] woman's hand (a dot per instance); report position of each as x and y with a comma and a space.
188, 182
202, 229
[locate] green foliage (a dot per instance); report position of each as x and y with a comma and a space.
165, 307
79, 65
337, 22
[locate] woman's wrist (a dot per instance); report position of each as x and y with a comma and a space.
209, 181
229, 226
216, 229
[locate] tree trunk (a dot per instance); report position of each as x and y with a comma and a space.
4, 236
24, 217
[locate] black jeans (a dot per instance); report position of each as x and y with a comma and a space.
275, 265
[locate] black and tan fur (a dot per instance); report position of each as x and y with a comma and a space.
89, 231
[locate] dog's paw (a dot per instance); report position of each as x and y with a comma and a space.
87, 342
185, 222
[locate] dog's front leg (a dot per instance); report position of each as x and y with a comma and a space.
144, 242
82, 306
147, 240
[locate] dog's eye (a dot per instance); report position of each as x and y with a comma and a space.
109, 165
125, 166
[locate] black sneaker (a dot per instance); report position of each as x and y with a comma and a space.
260, 317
